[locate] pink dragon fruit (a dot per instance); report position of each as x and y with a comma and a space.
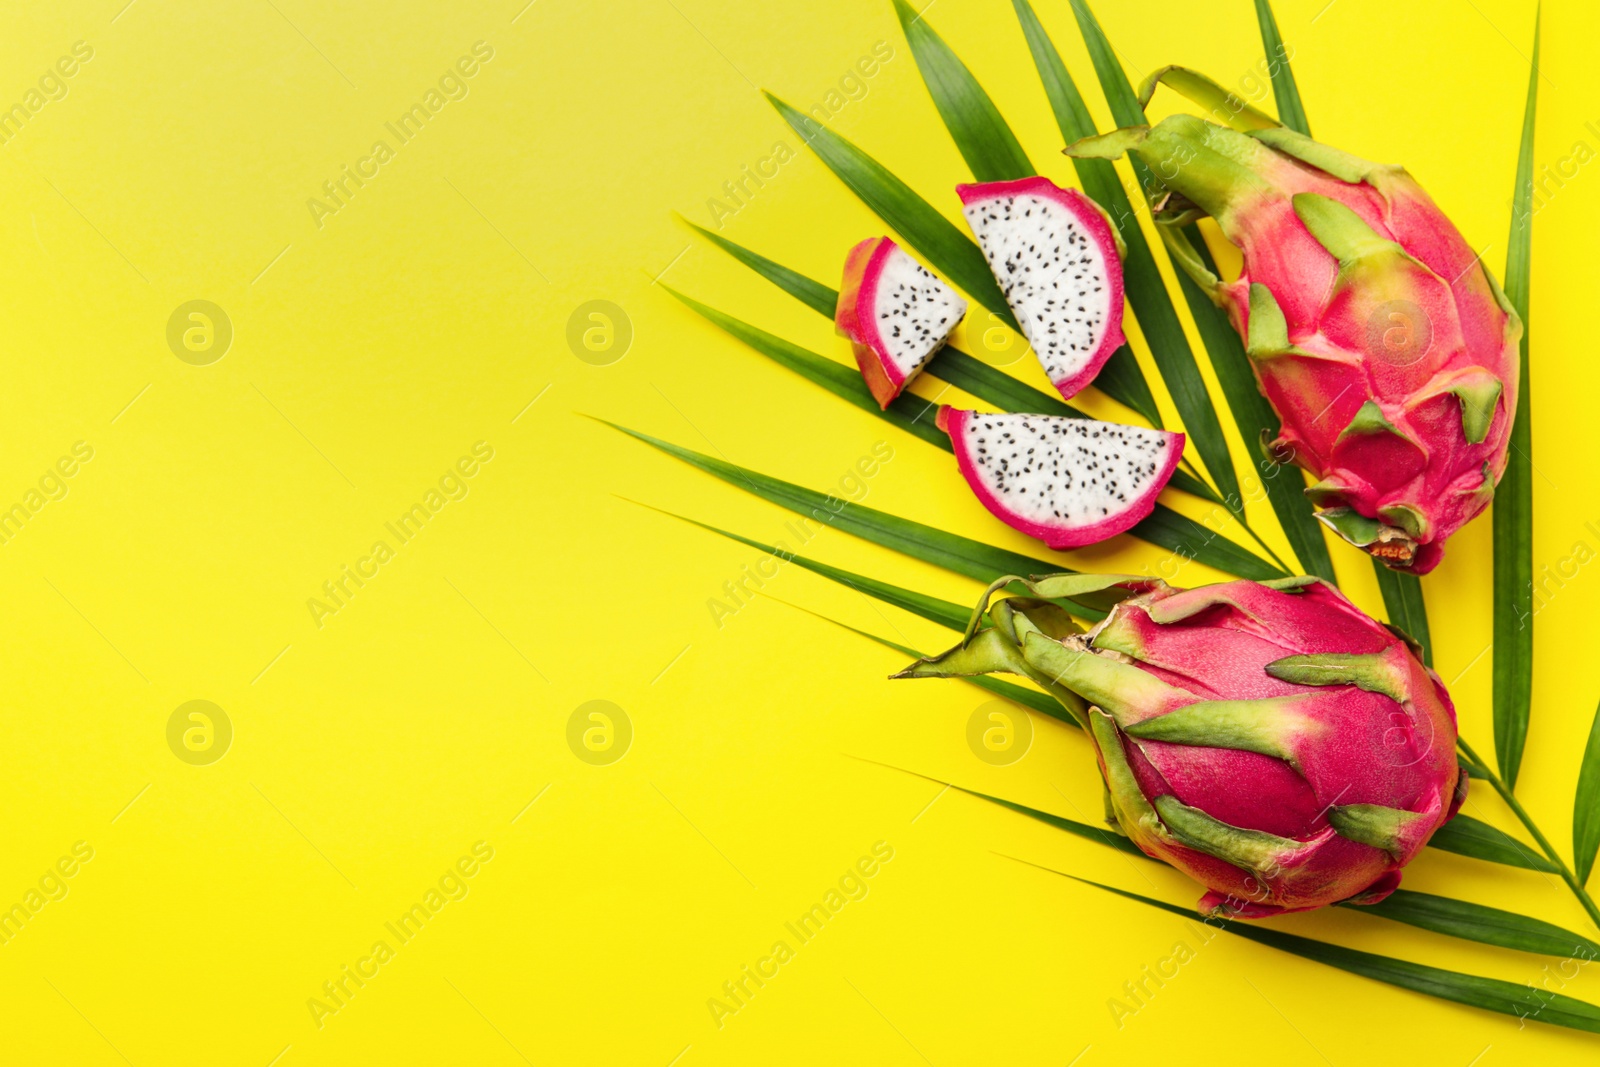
1069, 482
895, 313
1384, 345
1059, 263
1268, 739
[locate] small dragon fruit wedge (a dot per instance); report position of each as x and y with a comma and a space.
1385, 346
1069, 482
895, 313
1266, 738
1058, 262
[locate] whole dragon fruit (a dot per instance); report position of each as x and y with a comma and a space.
1268, 739
1386, 348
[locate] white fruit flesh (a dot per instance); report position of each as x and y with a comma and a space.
1063, 472
1053, 274
914, 312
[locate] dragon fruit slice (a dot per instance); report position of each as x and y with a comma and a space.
895, 313
1268, 739
1059, 265
1382, 342
1069, 482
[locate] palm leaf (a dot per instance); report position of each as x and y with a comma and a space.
992, 153
949, 251
907, 412
1402, 599
1467, 836
1513, 498
1142, 280
1290, 111
1476, 922
1089, 833
818, 297
945, 613
1443, 915
981, 135
1183, 536
1164, 528
1586, 806
1031, 699
952, 552
1491, 994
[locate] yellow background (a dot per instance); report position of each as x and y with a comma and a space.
426, 315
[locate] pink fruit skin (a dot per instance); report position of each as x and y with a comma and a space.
1399, 336
854, 319
1091, 219
953, 421
1443, 480
1214, 642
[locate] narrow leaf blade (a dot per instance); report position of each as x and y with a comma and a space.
1169, 346
972, 375
908, 411
1100, 836
1513, 499
946, 614
1477, 922
975, 124
961, 555
820, 298
1467, 836
1586, 806
949, 251
1291, 112
1490, 994
1402, 599
1188, 539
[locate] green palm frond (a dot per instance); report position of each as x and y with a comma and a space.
992, 152
1513, 497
